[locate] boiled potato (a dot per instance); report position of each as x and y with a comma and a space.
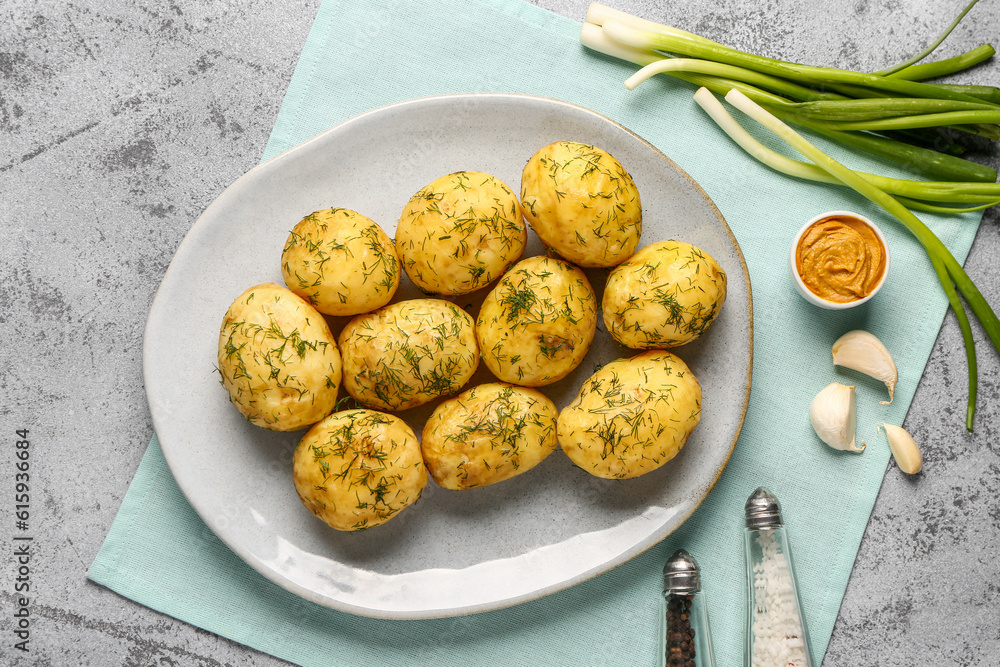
278, 359
631, 416
460, 232
358, 468
665, 295
341, 262
408, 353
537, 324
582, 203
487, 434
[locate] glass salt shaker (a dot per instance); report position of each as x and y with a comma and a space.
776, 630
685, 638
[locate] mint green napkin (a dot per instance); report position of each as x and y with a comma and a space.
364, 55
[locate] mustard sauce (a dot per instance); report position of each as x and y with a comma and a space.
840, 259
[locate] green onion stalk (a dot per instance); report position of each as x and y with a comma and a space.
933, 45
953, 278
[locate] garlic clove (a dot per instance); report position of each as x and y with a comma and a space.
834, 417
904, 449
864, 352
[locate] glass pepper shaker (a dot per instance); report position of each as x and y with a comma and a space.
776, 630
685, 638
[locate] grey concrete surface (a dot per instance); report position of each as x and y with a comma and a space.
120, 121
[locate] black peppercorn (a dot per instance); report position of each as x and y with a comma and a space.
685, 629
680, 635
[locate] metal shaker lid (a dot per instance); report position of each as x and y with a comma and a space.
681, 574
762, 510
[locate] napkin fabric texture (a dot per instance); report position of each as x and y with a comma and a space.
361, 55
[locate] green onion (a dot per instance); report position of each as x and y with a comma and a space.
934, 163
945, 67
969, 196
698, 66
869, 112
956, 119
594, 38
950, 273
598, 14
931, 162
867, 109
906, 112
970, 343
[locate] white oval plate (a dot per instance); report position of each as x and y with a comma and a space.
452, 552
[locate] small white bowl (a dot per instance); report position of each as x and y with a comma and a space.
813, 298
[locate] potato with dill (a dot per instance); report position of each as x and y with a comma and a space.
341, 262
631, 416
582, 204
460, 232
537, 324
278, 359
357, 469
667, 294
488, 434
408, 353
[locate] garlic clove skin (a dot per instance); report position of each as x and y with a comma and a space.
864, 352
834, 417
904, 449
